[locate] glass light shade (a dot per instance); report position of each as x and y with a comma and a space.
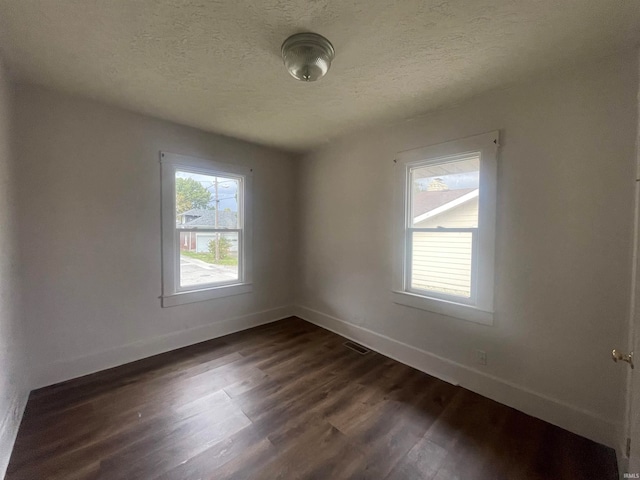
307, 56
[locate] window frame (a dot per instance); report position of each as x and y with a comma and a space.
479, 308
172, 292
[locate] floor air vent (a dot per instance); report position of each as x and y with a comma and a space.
356, 348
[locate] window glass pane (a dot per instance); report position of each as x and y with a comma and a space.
206, 201
441, 262
446, 194
208, 257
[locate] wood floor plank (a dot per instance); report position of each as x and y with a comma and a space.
286, 401
205, 424
111, 414
242, 444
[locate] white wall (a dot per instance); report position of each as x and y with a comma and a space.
564, 235
14, 379
89, 207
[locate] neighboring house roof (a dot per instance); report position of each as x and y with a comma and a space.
195, 212
428, 204
207, 218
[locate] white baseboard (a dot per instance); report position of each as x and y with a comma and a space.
9, 428
76, 367
577, 420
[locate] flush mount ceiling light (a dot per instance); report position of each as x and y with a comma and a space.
307, 56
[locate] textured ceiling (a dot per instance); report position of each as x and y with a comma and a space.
216, 64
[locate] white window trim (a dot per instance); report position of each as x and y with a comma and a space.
172, 294
481, 311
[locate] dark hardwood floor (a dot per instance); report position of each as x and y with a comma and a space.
286, 401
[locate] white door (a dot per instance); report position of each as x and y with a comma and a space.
633, 449
634, 417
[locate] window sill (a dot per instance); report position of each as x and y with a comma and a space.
443, 307
205, 294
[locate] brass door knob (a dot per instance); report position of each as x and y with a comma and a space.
616, 355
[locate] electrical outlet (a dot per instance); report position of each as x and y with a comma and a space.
481, 357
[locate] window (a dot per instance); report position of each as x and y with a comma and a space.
206, 229
445, 229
